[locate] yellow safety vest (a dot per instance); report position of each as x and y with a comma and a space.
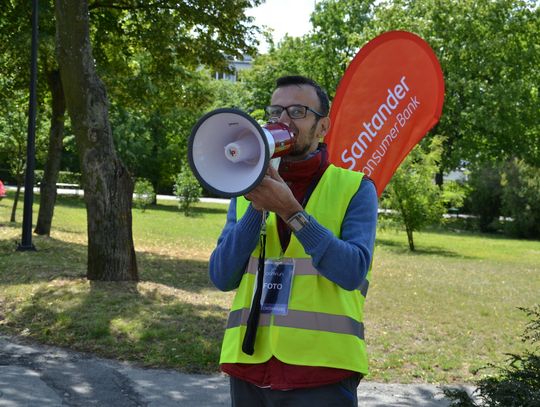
324, 325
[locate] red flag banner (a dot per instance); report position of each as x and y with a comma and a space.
391, 95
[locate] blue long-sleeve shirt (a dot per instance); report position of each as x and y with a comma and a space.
344, 261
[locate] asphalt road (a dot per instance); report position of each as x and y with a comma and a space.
36, 375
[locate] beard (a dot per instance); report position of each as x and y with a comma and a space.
302, 149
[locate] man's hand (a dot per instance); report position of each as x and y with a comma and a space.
274, 195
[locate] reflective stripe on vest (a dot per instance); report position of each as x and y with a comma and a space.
315, 321
303, 267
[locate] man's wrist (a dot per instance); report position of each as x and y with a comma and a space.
297, 221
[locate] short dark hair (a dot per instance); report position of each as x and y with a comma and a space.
303, 80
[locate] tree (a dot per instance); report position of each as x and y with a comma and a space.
412, 192
14, 45
484, 200
488, 52
323, 54
521, 198
230, 94
489, 55
13, 140
107, 183
54, 155
187, 189
156, 49
286, 59
339, 31
13, 132
151, 136
171, 35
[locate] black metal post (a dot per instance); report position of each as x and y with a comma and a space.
26, 243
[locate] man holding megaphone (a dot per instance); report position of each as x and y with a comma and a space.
295, 333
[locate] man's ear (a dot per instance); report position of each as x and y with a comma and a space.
323, 127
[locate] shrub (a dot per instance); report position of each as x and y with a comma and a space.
68, 177
259, 115
187, 190
484, 199
518, 383
65, 177
143, 194
521, 199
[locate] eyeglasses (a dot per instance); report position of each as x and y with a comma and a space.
294, 111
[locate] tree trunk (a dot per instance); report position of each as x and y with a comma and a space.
108, 187
410, 238
406, 222
52, 166
439, 178
15, 201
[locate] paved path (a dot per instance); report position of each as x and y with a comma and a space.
35, 375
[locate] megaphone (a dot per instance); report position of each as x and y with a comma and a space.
229, 152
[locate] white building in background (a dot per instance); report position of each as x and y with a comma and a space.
236, 66
459, 175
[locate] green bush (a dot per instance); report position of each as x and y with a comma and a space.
259, 115
484, 199
521, 199
512, 190
64, 177
6, 176
518, 383
143, 194
187, 190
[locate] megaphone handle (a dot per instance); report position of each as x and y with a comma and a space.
248, 345
274, 162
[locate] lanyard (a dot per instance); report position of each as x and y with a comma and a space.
248, 345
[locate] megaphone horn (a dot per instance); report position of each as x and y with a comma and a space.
229, 152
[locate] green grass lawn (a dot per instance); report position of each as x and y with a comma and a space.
435, 315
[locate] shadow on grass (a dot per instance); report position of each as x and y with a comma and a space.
403, 248
197, 210
15, 225
52, 259
447, 230
185, 274
124, 320
56, 259
71, 201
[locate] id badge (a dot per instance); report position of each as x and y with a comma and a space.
277, 284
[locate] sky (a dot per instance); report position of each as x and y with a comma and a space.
285, 17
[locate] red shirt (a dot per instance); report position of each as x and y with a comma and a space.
302, 177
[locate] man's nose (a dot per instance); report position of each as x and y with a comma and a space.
284, 117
